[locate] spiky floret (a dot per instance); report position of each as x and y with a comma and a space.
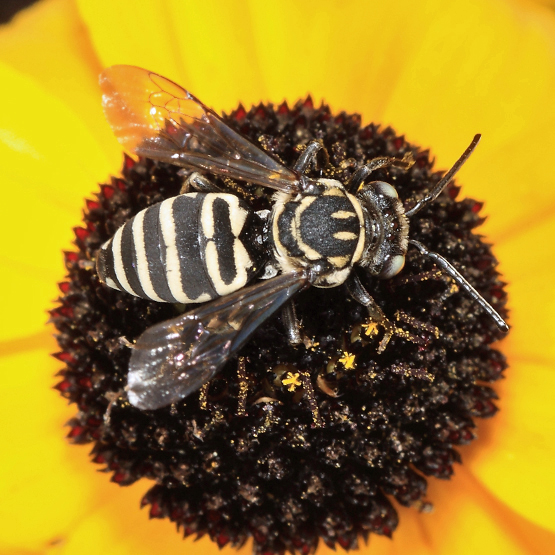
301, 444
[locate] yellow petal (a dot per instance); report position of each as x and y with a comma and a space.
42, 484
29, 290
467, 519
547, 3
348, 53
468, 75
219, 52
207, 49
514, 458
513, 454
50, 162
475, 75
516, 182
47, 45
44, 147
124, 33
528, 266
119, 527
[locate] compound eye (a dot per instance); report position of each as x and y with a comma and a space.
383, 188
392, 267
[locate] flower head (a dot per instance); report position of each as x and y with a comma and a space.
243, 456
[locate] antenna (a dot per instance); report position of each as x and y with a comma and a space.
446, 179
460, 280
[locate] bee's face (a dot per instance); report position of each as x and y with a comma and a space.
387, 230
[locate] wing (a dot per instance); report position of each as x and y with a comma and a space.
153, 117
172, 359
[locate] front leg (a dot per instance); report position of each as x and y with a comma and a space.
360, 295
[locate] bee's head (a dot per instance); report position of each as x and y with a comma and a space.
387, 229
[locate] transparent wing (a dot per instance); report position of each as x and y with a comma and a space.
172, 359
153, 117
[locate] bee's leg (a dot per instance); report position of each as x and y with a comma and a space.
308, 156
291, 324
375, 164
377, 317
197, 182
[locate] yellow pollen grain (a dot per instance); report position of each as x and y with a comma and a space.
348, 360
370, 329
293, 381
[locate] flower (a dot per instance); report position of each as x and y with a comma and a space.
439, 75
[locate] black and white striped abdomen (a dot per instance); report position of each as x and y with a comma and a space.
186, 249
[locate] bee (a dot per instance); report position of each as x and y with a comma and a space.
206, 245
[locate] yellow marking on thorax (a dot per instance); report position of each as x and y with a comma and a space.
343, 215
334, 192
339, 261
345, 235
362, 235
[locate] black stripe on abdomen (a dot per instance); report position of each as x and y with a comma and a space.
129, 259
195, 282
155, 253
224, 241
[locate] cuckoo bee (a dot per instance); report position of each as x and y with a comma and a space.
206, 245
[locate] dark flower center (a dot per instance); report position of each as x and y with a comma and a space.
293, 444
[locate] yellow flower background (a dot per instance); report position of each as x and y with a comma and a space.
436, 70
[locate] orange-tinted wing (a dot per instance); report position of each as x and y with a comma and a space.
153, 117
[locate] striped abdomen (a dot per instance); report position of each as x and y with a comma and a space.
187, 249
